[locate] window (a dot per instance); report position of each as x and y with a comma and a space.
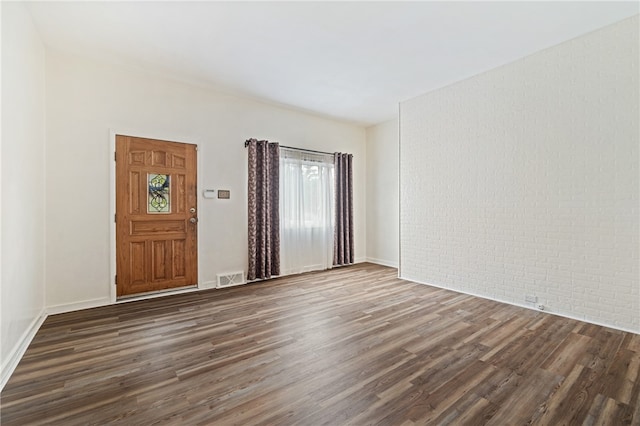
306, 211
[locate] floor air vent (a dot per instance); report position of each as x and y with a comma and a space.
230, 279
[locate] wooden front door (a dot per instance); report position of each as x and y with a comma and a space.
156, 215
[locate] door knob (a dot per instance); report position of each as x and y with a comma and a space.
193, 220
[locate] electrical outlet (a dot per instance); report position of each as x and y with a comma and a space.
531, 299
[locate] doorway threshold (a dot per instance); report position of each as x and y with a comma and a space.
159, 293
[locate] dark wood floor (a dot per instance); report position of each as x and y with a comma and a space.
353, 345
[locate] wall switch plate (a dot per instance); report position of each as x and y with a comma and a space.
209, 193
224, 194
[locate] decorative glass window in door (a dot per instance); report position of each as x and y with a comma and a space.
159, 195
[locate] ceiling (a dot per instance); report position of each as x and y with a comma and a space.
354, 61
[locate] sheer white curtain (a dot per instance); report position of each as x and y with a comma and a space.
306, 211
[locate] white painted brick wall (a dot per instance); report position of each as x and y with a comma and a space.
525, 180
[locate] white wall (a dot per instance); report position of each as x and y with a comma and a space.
22, 213
382, 193
524, 181
86, 99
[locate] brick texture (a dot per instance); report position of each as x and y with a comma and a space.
524, 180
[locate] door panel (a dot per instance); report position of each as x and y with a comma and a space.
178, 250
137, 262
152, 227
181, 193
134, 196
159, 259
156, 242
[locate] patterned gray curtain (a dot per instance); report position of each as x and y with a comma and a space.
264, 217
343, 233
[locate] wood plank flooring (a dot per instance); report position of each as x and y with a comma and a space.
350, 346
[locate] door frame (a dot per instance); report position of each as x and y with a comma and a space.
164, 136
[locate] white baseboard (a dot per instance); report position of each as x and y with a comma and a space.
206, 285
76, 306
11, 362
104, 301
240, 283
383, 262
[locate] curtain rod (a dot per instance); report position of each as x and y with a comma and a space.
246, 144
306, 150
